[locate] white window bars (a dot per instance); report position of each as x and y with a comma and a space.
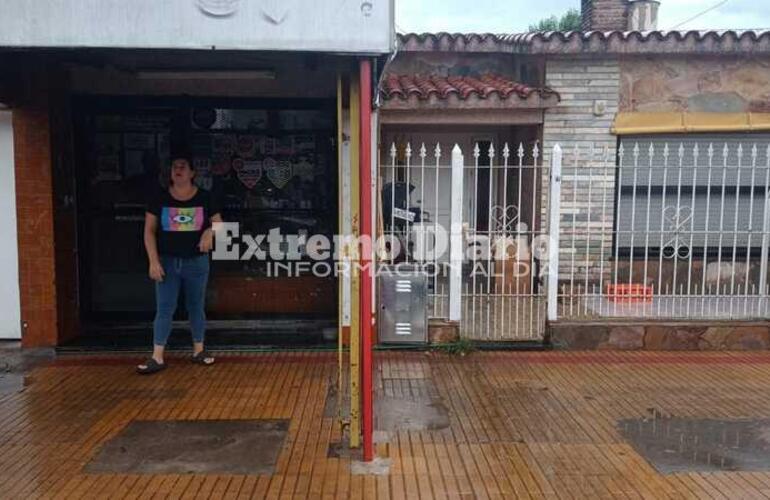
673, 229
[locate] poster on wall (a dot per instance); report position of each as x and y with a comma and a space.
203, 174
133, 163
107, 144
270, 145
220, 164
285, 146
304, 144
304, 169
204, 118
247, 146
279, 173
164, 146
139, 141
248, 119
223, 143
201, 144
248, 172
107, 168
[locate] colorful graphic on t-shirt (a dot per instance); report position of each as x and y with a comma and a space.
180, 219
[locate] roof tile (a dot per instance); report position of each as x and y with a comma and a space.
464, 87
555, 42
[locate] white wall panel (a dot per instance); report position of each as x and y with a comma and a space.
10, 322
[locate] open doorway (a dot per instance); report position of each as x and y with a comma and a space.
272, 163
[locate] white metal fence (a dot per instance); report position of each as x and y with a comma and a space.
675, 230
666, 229
490, 207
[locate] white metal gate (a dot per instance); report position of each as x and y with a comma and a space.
489, 211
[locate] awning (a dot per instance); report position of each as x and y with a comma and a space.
660, 123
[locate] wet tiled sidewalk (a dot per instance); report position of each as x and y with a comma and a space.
487, 425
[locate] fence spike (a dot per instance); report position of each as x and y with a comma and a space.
754, 152
423, 151
491, 152
536, 152
740, 151
680, 152
476, 151
393, 150
695, 153
725, 151
408, 150
506, 151
711, 150
437, 151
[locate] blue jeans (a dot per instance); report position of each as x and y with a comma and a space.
190, 275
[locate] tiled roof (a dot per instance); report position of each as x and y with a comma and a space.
574, 42
462, 87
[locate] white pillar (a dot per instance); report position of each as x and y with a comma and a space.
554, 210
376, 198
10, 303
765, 248
456, 236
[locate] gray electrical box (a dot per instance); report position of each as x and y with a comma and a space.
403, 317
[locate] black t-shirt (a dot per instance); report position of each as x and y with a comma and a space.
181, 223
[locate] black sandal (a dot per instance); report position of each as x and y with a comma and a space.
150, 366
201, 357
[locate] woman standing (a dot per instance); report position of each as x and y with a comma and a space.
178, 237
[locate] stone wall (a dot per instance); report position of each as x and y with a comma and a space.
589, 90
660, 336
699, 84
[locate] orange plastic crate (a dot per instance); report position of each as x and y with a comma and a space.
634, 292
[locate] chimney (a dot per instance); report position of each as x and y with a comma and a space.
643, 15
619, 15
604, 15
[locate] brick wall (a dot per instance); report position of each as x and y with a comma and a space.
573, 124
605, 15
34, 201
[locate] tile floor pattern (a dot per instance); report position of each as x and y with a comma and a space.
521, 425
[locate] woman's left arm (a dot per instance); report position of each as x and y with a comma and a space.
206, 243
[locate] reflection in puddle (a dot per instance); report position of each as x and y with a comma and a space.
673, 444
13, 382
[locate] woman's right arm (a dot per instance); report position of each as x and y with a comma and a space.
151, 245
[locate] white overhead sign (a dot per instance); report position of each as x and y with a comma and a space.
354, 26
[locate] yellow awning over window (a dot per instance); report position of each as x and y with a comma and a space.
660, 123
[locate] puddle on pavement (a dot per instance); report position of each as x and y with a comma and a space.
193, 446
673, 444
11, 383
401, 414
342, 450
